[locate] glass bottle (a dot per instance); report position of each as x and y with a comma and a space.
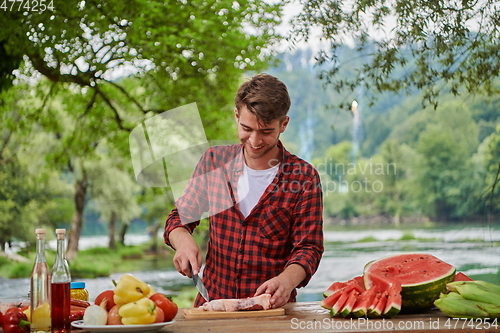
40, 288
60, 288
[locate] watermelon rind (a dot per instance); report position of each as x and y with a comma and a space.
349, 304
329, 301
393, 306
392, 309
333, 288
416, 297
376, 310
364, 300
339, 304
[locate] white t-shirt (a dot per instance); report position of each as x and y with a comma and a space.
248, 196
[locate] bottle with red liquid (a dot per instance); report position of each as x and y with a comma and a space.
60, 288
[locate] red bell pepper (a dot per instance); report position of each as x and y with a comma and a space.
15, 321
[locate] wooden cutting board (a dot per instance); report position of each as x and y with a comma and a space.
195, 313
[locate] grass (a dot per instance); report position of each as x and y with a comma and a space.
368, 239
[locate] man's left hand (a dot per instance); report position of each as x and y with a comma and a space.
280, 289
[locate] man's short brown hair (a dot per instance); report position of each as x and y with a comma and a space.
264, 96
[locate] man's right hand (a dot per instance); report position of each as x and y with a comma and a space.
187, 258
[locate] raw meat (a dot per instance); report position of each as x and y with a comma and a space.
261, 302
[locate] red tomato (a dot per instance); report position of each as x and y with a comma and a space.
163, 302
159, 315
113, 316
108, 294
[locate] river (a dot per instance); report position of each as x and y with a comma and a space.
473, 249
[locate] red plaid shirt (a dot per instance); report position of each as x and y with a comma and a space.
284, 228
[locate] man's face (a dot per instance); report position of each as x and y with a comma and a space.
259, 139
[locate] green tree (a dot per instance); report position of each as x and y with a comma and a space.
333, 169
444, 168
114, 192
30, 194
492, 169
111, 64
397, 159
406, 44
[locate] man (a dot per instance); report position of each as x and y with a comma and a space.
265, 206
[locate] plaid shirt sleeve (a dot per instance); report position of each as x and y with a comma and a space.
307, 229
192, 204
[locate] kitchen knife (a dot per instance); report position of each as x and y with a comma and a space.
201, 287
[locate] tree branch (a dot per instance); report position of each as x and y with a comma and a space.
117, 117
54, 74
5, 143
46, 98
139, 106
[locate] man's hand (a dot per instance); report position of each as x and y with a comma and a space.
187, 256
281, 286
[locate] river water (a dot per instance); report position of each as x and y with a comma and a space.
472, 249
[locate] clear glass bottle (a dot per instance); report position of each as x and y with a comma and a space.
60, 288
40, 288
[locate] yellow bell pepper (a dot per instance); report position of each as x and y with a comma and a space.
152, 290
130, 289
141, 312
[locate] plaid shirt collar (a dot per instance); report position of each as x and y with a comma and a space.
234, 169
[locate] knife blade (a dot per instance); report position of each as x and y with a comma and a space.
201, 287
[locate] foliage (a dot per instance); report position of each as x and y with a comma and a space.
407, 45
92, 71
20, 270
492, 172
186, 297
181, 50
30, 195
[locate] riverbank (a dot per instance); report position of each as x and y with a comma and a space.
91, 263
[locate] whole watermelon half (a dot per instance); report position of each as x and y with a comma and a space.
422, 278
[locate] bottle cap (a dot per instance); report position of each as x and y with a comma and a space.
40, 231
77, 285
60, 233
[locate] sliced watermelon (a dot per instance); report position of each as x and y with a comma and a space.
364, 300
394, 299
339, 304
328, 302
376, 310
462, 277
333, 288
393, 289
375, 301
353, 286
349, 304
422, 278
358, 281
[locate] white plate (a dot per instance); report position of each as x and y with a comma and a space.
120, 328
